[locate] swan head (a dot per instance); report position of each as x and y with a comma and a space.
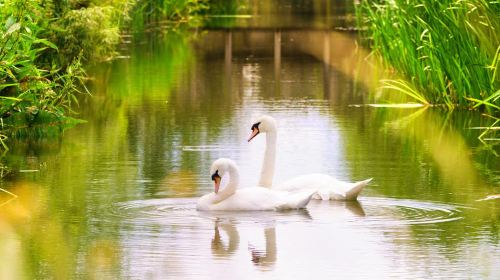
218, 169
263, 124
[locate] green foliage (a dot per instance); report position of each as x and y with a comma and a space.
43, 44
148, 12
448, 50
94, 31
225, 13
222, 7
32, 90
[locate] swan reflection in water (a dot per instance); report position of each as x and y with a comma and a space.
226, 239
219, 249
355, 208
266, 257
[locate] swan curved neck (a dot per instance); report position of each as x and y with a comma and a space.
267, 172
230, 188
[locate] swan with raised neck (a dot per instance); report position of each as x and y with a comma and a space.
326, 187
266, 124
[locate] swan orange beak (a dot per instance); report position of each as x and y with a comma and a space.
255, 132
216, 184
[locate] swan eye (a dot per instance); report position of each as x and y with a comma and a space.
255, 126
215, 175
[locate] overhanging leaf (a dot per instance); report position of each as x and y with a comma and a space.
46, 42
13, 28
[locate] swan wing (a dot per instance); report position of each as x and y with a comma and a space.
296, 200
326, 187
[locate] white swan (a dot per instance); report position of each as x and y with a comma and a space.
326, 186
246, 199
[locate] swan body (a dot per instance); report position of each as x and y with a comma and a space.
325, 186
254, 199
247, 199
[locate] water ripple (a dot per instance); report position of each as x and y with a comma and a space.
208, 148
394, 212
368, 212
154, 208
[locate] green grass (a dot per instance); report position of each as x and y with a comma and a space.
446, 51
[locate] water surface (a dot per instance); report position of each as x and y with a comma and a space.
115, 198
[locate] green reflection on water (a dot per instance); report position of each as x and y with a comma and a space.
439, 158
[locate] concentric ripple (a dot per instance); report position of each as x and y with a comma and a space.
393, 212
182, 211
155, 208
368, 212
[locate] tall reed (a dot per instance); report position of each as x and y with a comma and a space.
447, 51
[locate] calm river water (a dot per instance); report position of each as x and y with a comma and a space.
114, 198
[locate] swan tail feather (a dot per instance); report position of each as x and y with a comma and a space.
352, 193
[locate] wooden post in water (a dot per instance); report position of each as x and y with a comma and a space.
228, 47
